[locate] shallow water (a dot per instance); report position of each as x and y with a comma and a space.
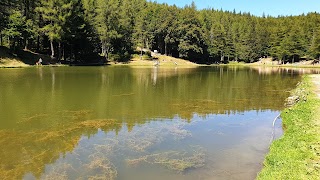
138, 123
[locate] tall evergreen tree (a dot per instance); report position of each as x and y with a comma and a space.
314, 49
55, 14
107, 24
191, 43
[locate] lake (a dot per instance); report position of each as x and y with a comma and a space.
139, 123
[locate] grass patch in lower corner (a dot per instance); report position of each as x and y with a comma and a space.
297, 154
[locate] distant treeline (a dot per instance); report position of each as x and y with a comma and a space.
78, 30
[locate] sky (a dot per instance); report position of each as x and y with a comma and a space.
255, 7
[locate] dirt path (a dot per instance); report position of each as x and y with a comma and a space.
316, 82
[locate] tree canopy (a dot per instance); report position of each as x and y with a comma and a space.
75, 30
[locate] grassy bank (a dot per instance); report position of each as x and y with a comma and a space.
161, 61
22, 58
297, 154
7, 60
268, 62
11, 63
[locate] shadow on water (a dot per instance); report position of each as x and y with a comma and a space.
121, 123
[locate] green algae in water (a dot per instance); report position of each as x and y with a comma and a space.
178, 161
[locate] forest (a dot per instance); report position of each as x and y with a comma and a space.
85, 30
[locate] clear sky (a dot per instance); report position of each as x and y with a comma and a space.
256, 7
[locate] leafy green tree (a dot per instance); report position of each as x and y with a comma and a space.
312, 32
18, 29
55, 14
106, 24
140, 29
191, 43
314, 49
15, 28
218, 40
79, 36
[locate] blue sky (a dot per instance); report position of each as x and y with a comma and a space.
256, 7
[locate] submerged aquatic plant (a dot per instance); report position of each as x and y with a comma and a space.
102, 168
59, 172
64, 134
178, 132
140, 140
174, 160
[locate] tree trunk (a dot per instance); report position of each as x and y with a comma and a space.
26, 5
165, 49
26, 44
222, 57
59, 51
107, 53
104, 50
1, 40
52, 48
147, 44
38, 37
38, 43
71, 54
63, 52
141, 53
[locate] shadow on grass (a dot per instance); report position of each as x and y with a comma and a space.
25, 56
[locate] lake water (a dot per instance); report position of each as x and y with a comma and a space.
139, 123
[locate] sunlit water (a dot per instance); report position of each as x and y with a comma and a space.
138, 123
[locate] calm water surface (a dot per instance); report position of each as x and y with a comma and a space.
138, 123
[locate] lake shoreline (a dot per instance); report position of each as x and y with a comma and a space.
28, 59
13, 63
296, 154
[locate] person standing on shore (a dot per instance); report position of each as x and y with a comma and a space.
39, 62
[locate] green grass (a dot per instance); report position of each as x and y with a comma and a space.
297, 154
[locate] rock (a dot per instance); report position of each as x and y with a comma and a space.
292, 100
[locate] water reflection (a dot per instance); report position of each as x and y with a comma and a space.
155, 75
136, 123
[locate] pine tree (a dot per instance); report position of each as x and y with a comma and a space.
107, 24
314, 49
140, 29
78, 34
18, 29
15, 28
55, 14
191, 43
